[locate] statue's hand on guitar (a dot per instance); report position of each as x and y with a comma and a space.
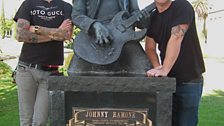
100, 48
102, 34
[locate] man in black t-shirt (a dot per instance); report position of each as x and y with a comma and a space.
173, 29
42, 25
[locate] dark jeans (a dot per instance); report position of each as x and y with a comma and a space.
186, 103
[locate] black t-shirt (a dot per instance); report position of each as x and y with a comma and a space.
51, 15
189, 64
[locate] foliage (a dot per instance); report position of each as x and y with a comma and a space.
201, 8
2, 21
69, 43
76, 31
5, 69
14, 30
64, 68
5, 24
8, 24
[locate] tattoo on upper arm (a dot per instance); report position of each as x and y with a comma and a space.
178, 31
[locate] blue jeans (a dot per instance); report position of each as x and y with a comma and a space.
186, 103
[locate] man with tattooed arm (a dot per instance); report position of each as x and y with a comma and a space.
173, 29
42, 25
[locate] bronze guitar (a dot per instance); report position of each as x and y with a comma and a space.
122, 31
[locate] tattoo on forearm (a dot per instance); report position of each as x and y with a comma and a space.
44, 34
178, 31
24, 35
34, 39
54, 33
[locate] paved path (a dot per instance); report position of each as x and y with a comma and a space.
12, 48
213, 77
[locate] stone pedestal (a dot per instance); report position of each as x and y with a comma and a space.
155, 94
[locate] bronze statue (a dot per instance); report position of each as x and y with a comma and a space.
108, 43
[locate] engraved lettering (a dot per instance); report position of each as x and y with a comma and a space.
123, 115
112, 117
96, 114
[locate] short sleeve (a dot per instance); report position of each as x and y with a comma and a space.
67, 10
23, 11
149, 32
183, 13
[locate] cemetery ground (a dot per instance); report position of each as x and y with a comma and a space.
211, 111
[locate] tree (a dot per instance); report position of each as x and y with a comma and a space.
201, 8
2, 21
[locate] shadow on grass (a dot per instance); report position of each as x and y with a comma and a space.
9, 115
211, 109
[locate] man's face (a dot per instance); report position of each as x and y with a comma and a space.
162, 1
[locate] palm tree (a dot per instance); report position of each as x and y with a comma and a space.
201, 8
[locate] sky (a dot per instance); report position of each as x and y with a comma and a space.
12, 5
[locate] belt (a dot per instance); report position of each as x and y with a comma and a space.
39, 66
195, 80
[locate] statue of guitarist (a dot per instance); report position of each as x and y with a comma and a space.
108, 44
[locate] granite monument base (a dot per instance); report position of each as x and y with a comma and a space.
115, 95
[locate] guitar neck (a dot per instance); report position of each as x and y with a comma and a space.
131, 20
150, 7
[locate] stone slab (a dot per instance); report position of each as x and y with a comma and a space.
111, 92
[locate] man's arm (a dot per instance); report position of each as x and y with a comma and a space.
150, 49
27, 33
64, 32
173, 46
24, 35
172, 51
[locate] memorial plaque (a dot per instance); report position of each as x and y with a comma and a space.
75, 101
109, 117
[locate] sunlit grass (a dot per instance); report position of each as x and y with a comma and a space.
211, 112
8, 98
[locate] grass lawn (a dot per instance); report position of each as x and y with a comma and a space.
211, 112
9, 115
